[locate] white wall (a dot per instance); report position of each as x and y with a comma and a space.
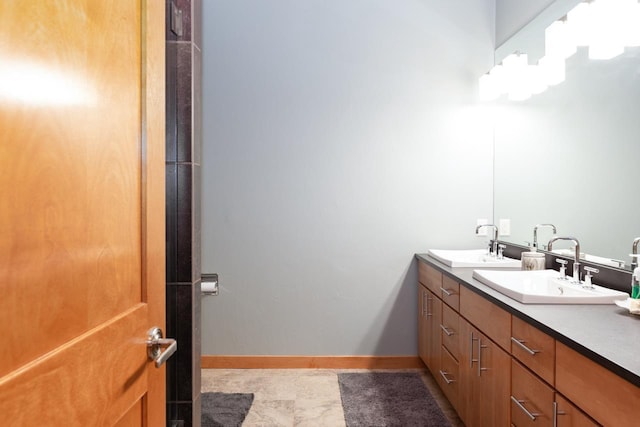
340, 138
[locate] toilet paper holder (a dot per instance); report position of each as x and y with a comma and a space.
209, 283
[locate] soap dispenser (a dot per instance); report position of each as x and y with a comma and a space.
635, 279
532, 260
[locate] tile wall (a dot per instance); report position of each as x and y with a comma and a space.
183, 154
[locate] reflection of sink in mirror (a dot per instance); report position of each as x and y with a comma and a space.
590, 258
545, 287
472, 258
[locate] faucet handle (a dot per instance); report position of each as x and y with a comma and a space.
501, 249
563, 268
588, 276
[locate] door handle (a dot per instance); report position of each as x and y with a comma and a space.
154, 344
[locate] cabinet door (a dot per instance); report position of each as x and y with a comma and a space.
434, 336
535, 349
450, 331
469, 389
422, 322
531, 399
448, 377
485, 370
608, 398
567, 415
429, 331
495, 374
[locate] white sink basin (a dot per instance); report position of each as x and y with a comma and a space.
472, 258
545, 287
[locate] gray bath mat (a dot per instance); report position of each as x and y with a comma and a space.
386, 399
225, 409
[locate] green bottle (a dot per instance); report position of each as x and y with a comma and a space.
635, 284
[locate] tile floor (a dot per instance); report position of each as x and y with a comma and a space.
298, 397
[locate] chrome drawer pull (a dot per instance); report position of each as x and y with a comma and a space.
533, 415
446, 291
471, 359
480, 347
524, 347
556, 413
446, 331
444, 376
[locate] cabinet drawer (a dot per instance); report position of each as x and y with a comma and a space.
570, 416
535, 349
531, 398
490, 319
451, 331
606, 397
449, 377
450, 292
430, 277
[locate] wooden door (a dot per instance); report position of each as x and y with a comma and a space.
81, 211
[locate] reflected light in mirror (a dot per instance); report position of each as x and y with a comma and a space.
604, 26
516, 72
40, 85
558, 41
553, 70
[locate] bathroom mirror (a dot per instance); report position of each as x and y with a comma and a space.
571, 155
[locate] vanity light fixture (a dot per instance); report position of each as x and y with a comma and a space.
606, 27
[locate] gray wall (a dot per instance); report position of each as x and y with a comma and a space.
340, 138
511, 15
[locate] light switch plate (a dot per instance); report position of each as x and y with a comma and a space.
505, 227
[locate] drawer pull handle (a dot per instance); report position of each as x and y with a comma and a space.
480, 347
428, 299
447, 292
471, 359
446, 331
520, 405
444, 376
524, 347
556, 412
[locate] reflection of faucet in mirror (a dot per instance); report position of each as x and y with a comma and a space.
535, 232
493, 248
576, 262
634, 251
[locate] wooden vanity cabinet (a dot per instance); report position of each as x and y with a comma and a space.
422, 322
498, 370
535, 349
532, 401
449, 379
450, 292
429, 337
568, 415
607, 398
485, 372
493, 321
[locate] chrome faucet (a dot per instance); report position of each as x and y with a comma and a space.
535, 232
576, 262
493, 249
634, 251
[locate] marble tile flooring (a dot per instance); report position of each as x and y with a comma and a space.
298, 397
